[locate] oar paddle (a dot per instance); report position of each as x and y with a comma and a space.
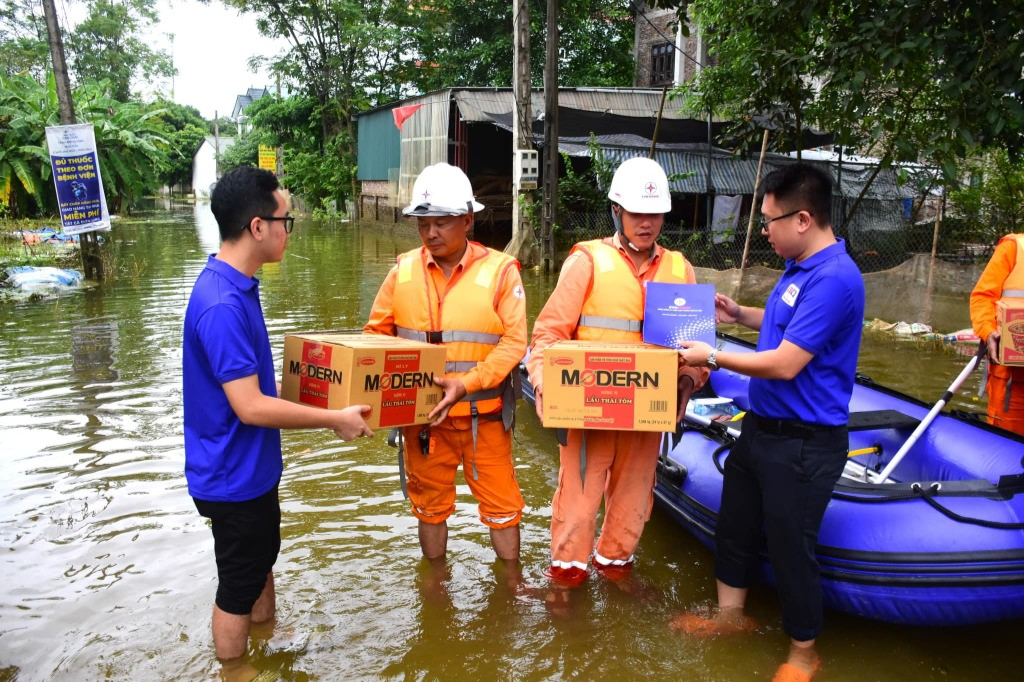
887, 471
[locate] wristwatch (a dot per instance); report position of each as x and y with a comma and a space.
712, 362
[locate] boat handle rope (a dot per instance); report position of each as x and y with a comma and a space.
934, 487
918, 491
718, 451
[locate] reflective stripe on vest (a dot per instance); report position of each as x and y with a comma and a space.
611, 323
616, 288
464, 320
1013, 287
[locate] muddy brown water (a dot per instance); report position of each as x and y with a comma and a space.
108, 571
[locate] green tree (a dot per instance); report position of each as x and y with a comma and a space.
223, 126
184, 129
130, 144
109, 45
340, 56
26, 108
469, 43
905, 80
23, 46
244, 151
991, 204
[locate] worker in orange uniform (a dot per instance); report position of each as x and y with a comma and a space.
469, 298
1003, 278
600, 296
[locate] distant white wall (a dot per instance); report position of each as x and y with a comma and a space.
204, 170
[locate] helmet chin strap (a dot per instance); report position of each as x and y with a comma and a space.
618, 228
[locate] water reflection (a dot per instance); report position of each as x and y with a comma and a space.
109, 571
206, 227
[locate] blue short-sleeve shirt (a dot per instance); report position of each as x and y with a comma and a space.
818, 305
225, 339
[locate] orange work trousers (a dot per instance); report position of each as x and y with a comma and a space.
431, 478
620, 469
1006, 414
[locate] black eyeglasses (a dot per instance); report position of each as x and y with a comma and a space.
289, 222
766, 223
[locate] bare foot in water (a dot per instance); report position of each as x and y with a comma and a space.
800, 666
727, 621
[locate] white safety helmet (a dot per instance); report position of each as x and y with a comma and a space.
641, 186
441, 190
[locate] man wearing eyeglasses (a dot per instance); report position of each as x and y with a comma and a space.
792, 448
233, 417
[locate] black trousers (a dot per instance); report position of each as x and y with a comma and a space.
778, 481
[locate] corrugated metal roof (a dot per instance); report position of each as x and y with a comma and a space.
686, 165
474, 105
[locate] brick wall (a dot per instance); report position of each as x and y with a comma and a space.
376, 188
655, 27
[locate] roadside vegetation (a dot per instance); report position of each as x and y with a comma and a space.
904, 80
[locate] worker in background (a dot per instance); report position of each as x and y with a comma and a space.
1002, 279
469, 298
600, 296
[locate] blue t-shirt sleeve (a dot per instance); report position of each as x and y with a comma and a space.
224, 335
822, 310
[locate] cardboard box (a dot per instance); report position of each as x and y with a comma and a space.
1010, 318
621, 386
679, 312
334, 370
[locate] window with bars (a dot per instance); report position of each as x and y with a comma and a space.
662, 63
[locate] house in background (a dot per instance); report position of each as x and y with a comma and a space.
241, 104
712, 188
664, 56
204, 164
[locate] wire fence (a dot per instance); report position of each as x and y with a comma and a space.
880, 236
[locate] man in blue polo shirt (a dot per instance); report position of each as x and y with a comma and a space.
233, 416
792, 449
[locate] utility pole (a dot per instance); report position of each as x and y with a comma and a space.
550, 140
279, 160
521, 246
216, 145
60, 65
89, 246
171, 37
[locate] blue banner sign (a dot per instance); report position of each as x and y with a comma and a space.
76, 175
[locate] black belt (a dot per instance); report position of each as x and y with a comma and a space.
791, 428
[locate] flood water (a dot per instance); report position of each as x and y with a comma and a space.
108, 570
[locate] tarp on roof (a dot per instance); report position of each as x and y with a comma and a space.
473, 104
686, 166
578, 123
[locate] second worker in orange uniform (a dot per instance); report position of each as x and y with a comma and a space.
600, 296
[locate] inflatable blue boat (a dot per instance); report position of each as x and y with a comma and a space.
939, 542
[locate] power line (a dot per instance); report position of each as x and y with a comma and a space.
657, 30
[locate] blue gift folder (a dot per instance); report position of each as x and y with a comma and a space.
679, 312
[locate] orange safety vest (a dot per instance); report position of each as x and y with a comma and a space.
469, 327
614, 307
1013, 287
